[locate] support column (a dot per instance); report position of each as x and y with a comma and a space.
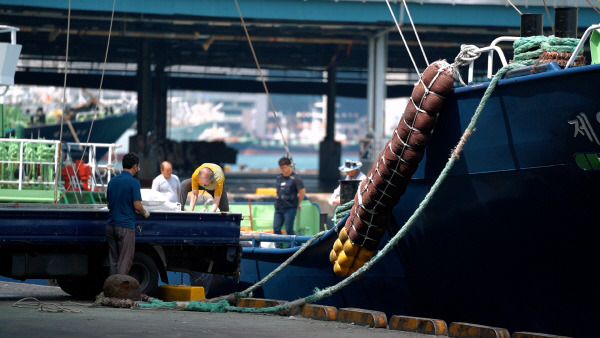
372, 144
139, 142
158, 141
330, 150
160, 100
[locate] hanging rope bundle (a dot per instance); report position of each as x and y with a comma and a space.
389, 176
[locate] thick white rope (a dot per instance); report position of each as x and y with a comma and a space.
416, 33
467, 54
403, 39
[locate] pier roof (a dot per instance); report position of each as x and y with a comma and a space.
287, 35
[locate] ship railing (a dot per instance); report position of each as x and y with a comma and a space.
35, 165
83, 116
31, 168
493, 47
28, 170
101, 172
582, 41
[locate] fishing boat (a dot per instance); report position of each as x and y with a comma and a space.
507, 239
106, 129
34, 114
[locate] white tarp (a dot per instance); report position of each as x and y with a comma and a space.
154, 200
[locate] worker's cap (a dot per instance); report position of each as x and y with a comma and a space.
350, 165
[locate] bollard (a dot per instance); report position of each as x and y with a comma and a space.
348, 189
531, 25
566, 22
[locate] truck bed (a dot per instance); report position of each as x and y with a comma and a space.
68, 241
84, 223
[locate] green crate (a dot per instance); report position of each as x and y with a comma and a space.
306, 222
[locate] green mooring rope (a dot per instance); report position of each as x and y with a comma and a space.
342, 211
223, 305
528, 50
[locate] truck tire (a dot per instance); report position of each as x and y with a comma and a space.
81, 287
144, 269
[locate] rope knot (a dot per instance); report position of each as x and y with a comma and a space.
467, 54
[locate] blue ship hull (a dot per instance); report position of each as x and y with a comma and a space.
509, 240
105, 130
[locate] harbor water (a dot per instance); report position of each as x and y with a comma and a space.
268, 161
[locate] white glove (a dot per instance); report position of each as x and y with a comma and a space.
146, 213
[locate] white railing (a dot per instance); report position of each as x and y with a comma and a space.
98, 171
493, 47
10, 164
584, 38
16, 168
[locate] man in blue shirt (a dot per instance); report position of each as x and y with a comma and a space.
290, 193
124, 199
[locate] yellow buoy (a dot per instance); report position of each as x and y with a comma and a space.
332, 256
344, 261
338, 246
340, 271
350, 249
364, 254
343, 234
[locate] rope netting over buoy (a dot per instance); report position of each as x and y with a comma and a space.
388, 178
381, 191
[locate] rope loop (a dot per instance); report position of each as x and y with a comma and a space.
467, 54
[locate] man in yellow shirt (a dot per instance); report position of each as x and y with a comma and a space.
210, 178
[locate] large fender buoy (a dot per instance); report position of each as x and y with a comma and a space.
387, 180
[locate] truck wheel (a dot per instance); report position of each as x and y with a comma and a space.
144, 269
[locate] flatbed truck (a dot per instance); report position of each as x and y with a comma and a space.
68, 243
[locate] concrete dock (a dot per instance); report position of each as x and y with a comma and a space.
52, 313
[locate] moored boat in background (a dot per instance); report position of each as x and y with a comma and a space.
107, 129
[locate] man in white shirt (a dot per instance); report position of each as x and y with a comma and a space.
352, 170
167, 183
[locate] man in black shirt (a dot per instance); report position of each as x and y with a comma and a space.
290, 193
